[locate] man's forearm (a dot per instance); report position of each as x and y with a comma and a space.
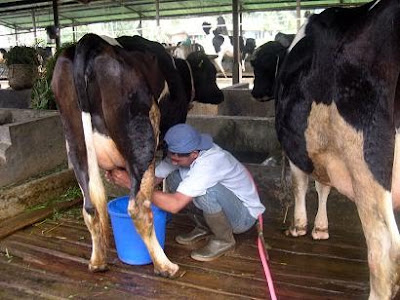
172, 203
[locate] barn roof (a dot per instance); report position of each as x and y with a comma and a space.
19, 14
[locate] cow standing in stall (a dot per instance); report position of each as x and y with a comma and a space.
338, 118
219, 43
114, 98
266, 62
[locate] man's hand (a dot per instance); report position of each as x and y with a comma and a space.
119, 177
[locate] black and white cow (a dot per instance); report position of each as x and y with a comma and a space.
266, 62
114, 98
338, 118
219, 43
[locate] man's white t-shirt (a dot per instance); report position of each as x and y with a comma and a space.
211, 167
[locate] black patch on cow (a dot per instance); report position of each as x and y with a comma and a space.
291, 115
363, 101
204, 78
241, 42
173, 108
221, 27
249, 48
217, 41
206, 27
186, 76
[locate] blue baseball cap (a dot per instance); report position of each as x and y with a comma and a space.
183, 138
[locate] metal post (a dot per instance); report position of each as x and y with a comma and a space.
73, 33
158, 20
56, 23
241, 21
140, 26
236, 65
298, 13
34, 27
16, 35
158, 13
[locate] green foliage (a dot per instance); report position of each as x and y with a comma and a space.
42, 96
72, 193
22, 55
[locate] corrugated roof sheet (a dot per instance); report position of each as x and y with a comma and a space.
19, 14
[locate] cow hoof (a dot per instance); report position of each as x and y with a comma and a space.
170, 272
320, 233
295, 231
98, 268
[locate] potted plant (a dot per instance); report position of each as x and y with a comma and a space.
22, 65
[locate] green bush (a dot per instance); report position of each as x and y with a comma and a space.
22, 55
42, 96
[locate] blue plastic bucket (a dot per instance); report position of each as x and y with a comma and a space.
130, 247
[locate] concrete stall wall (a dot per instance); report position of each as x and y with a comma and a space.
15, 99
238, 102
239, 134
33, 143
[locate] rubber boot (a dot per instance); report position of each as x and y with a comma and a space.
221, 243
199, 232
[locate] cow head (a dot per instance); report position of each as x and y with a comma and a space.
284, 39
265, 63
204, 78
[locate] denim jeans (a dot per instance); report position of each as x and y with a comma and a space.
216, 199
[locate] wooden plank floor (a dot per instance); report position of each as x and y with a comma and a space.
48, 260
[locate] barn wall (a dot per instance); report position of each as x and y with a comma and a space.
15, 99
249, 136
32, 144
238, 102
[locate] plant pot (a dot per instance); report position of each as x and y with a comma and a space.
21, 76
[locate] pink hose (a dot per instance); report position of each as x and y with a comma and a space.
264, 258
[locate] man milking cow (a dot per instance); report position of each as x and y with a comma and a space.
200, 172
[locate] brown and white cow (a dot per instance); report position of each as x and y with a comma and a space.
113, 96
338, 118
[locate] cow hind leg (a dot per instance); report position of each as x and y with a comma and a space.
300, 185
320, 230
375, 209
95, 209
82, 158
142, 216
96, 220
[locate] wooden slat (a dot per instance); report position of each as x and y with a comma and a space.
11, 225
56, 252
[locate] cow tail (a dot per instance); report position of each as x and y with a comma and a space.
87, 47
